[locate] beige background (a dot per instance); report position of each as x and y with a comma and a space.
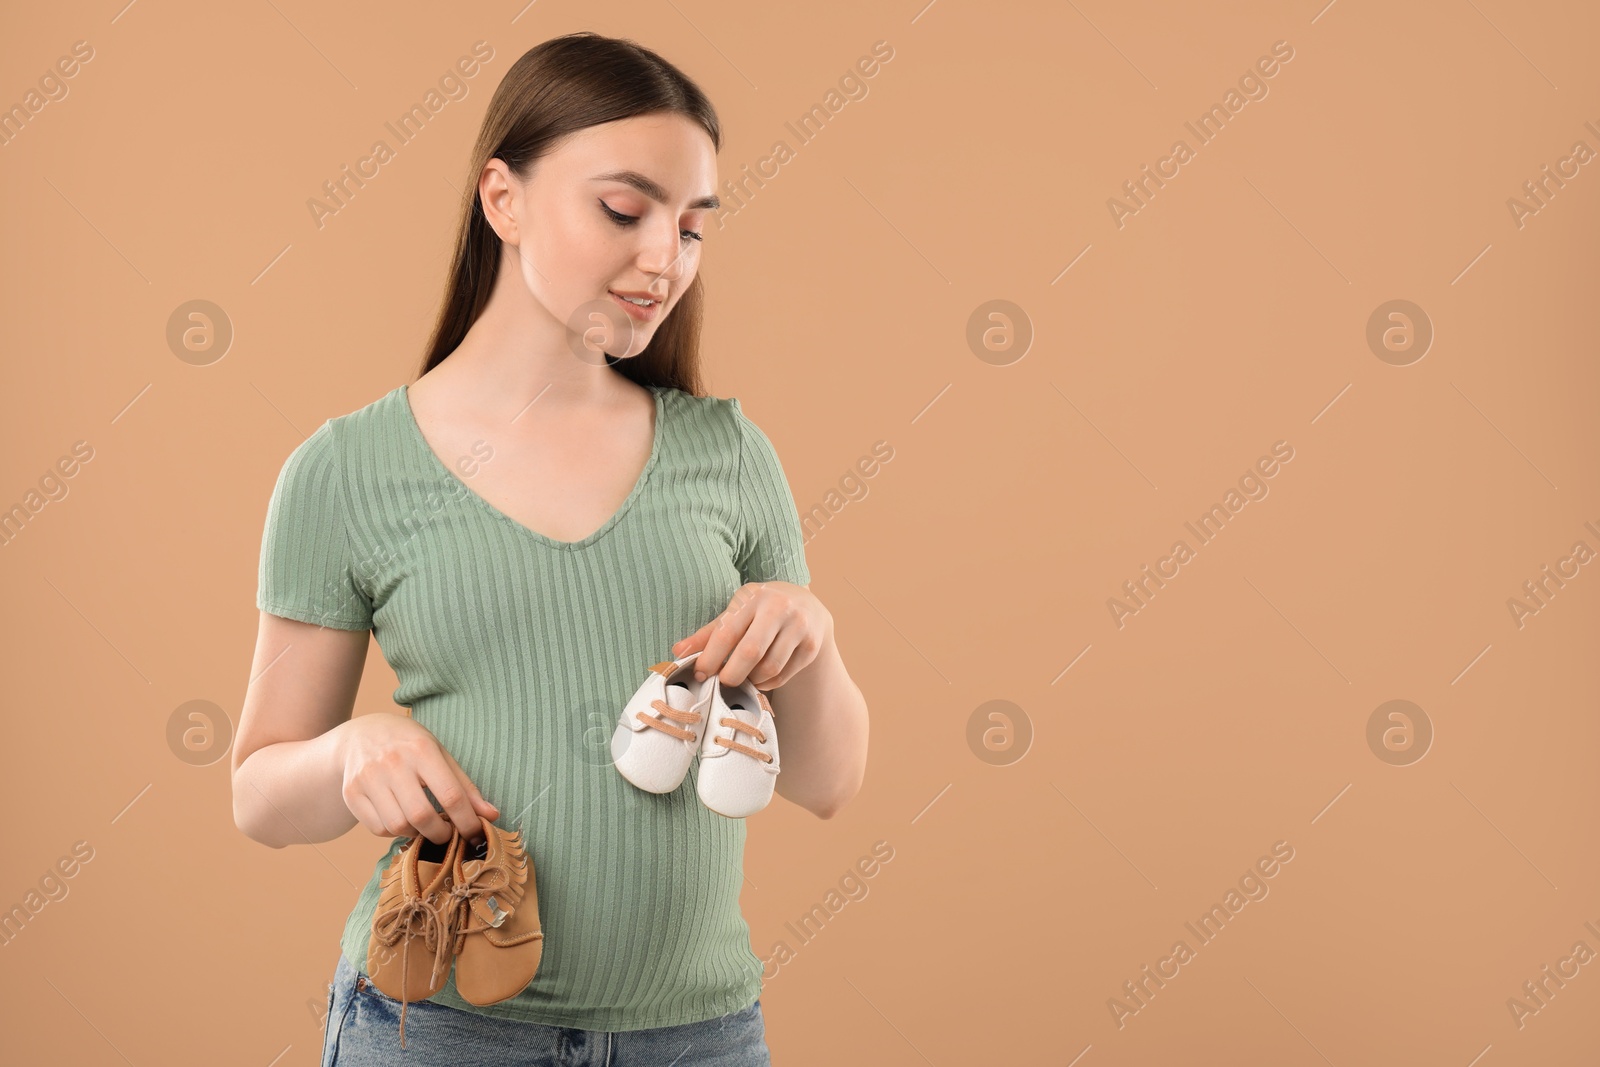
1160, 759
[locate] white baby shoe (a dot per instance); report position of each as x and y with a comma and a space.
739, 750
661, 727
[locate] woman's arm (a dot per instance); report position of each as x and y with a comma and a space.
288, 770
821, 716
819, 711
305, 771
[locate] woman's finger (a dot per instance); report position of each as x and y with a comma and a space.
367, 815
727, 630
387, 808
688, 644
757, 629
475, 797
438, 771
419, 811
781, 661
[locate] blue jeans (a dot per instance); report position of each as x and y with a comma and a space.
363, 1030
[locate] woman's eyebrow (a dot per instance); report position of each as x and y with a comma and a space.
652, 188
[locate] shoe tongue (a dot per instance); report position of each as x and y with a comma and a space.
474, 859
432, 862
679, 696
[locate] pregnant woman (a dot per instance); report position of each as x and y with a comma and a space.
549, 512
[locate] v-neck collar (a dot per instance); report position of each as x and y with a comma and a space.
414, 431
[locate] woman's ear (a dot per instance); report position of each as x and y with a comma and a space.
498, 195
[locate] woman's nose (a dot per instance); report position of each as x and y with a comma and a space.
663, 258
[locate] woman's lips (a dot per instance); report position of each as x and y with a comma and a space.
643, 314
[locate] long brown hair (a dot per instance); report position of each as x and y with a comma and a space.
557, 88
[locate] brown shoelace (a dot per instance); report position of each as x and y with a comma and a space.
403, 921
740, 724
688, 718
434, 922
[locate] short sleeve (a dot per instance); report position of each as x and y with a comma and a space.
306, 563
771, 541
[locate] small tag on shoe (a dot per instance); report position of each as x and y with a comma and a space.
490, 911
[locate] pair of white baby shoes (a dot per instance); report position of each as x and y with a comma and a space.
673, 718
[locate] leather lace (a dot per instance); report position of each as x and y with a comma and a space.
740, 724
689, 718
678, 715
401, 923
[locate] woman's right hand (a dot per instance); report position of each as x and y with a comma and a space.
387, 760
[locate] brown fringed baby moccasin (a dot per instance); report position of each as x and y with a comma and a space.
412, 943
498, 938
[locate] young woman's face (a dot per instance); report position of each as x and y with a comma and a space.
618, 210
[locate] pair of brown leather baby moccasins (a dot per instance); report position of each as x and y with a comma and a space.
472, 903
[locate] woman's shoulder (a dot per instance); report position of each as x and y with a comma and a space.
701, 411
384, 408
325, 445
724, 408
369, 422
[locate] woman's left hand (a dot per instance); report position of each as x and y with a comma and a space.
770, 632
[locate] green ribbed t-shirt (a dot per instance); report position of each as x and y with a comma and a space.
519, 651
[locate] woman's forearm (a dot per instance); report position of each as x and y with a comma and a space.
821, 716
292, 792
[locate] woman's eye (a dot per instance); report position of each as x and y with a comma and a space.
628, 220
617, 217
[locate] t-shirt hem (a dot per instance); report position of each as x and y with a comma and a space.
316, 617
598, 1021
607, 1022
794, 578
